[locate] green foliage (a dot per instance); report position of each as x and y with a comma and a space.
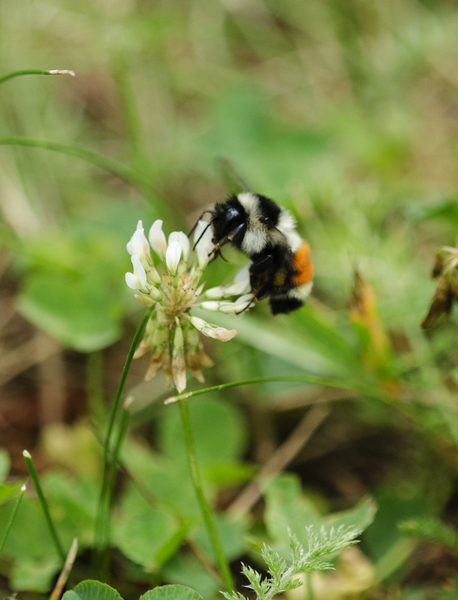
288, 509
148, 538
431, 530
340, 117
92, 590
95, 590
220, 432
321, 544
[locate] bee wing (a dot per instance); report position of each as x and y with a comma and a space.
233, 180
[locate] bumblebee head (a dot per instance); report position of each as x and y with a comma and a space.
227, 217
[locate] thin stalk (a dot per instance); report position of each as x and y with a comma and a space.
204, 506
57, 591
308, 579
34, 475
106, 450
94, 385
108, 164
360, 389
106, 533
35, 72
12, 516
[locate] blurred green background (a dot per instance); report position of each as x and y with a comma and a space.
346, 112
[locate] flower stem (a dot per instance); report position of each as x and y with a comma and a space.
52, 530
102, 505
35, 72
339, 384
12, 516
111, 480
204, 506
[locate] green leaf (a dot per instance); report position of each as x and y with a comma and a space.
29, 537
73, 501
359, 517
171, 592
34, 575
287, 507
8, 491
219, 431
232, 536
92, 590
149, 538
77, 310
185, 568
167, 480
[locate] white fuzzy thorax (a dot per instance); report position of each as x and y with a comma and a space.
257, 236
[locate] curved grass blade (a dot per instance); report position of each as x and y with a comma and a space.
35, 72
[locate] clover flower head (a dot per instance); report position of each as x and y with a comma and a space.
172, 333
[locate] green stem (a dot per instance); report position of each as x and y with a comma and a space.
34, 475
205, 508
111, 480
342, 385
108, 164
310, 595
12, 516
106, 449
35, 72
94, 385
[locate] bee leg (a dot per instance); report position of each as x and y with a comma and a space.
263, 291
239, 231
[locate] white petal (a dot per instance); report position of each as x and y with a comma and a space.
238, 287
157, 239
243, 274
133, 281
202, 256
205, 233
211, 305
182, 238
172, 256
216, 292
139, 269
129, 243
198, 323
213, 331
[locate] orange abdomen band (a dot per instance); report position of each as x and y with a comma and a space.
302, 266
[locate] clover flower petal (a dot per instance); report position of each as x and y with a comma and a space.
179, 236
173, 256
137, 279
138, 244
157, 239
203, 236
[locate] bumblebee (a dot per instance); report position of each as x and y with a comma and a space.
280, 267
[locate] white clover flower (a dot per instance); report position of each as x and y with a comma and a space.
172, 332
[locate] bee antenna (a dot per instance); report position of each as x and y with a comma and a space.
201, 235
197, 222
